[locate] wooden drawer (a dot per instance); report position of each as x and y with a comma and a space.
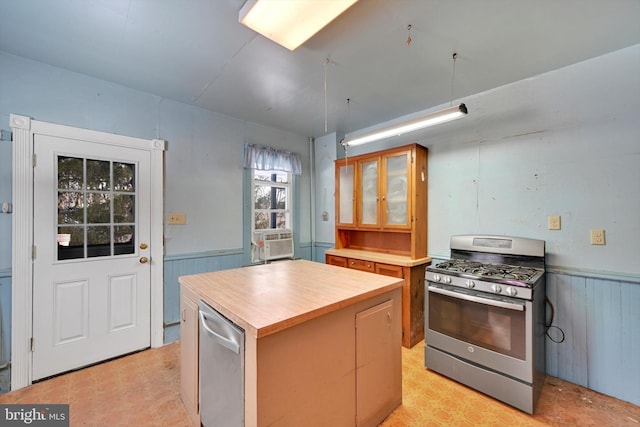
336, 260
390, 270
359, 264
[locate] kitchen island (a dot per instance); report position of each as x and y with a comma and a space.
322, 344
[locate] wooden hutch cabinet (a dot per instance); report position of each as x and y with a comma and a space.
381, 223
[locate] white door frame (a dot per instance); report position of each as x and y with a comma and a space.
23, 129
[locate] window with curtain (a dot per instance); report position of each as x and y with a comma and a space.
272, 173
271, 200
270, 159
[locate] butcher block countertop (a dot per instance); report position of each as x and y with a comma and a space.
404, 261
268, 298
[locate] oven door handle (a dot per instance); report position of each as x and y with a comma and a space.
454, 294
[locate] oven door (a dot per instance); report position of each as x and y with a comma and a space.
492, 331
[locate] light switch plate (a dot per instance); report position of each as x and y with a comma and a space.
597, 237
177, 218
553, 222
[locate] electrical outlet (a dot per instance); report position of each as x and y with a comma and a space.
177, 218
553, 222
597, 237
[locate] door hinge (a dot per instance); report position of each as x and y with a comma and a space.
33, 252
34, 160
32, 344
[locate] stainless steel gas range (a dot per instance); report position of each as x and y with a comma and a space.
485, 317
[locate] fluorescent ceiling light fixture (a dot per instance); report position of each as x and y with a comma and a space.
405, 126
290, 22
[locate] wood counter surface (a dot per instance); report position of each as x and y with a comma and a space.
266, 299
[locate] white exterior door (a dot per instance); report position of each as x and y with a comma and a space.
91, 270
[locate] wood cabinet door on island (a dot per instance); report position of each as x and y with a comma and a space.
378, 365
189, 346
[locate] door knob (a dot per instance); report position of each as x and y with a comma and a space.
143, 246
144, 260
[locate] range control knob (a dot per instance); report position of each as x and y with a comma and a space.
496, 288
436, 277
511, 291
446, 279
469, 284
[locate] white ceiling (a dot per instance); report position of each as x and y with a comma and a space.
195, 51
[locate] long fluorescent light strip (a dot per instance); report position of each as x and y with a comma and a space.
427, 120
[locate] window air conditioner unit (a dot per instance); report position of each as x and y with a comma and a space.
275, 244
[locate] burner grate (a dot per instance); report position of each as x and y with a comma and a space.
489, 270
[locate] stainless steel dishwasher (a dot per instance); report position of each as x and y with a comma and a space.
221, 370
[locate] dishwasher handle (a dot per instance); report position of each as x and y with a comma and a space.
227, 342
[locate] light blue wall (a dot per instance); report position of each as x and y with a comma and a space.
601, 325
203, 173
562, 143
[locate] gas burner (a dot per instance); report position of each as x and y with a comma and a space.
497, 272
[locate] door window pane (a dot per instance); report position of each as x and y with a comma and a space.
124, 177
96, 208
70, 242
70, 207
123, 239
70, 173
98, 175
98, 241
123, 208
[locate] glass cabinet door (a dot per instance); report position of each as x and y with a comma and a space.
396, 191
369, 193
346, 199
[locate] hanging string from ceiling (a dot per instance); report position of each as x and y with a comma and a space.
346, 152
453, 74
348, 115
326, 110
409, 40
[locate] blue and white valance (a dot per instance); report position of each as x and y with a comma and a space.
270, 159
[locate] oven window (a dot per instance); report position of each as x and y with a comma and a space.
494, 328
